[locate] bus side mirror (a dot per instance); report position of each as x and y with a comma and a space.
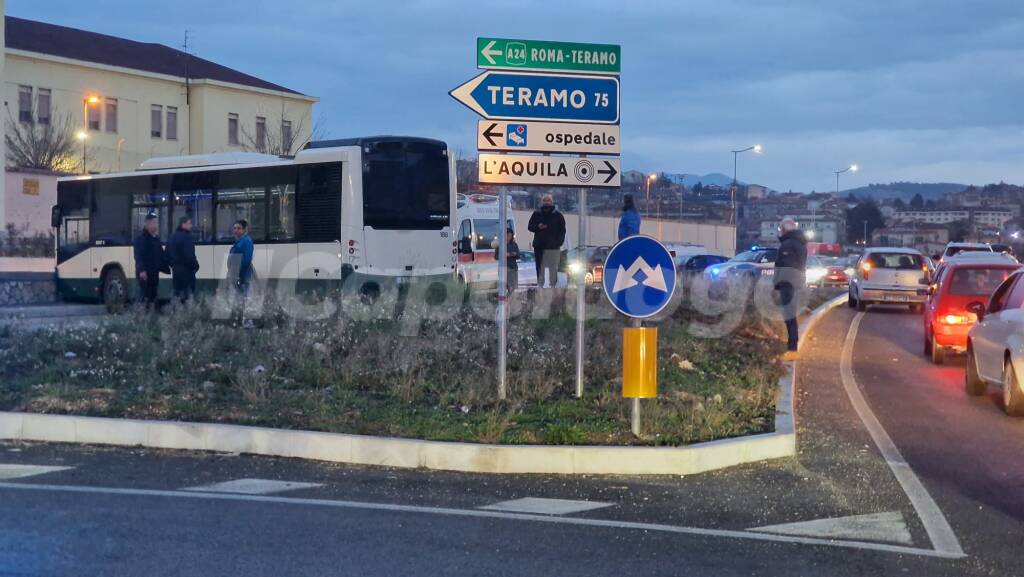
465, 246
978, 308
55, 217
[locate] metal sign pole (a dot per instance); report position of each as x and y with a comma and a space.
581, 288
634, 417
502, 291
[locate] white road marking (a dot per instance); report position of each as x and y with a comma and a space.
889, 527
253, 486
476, 513
545, 506
19, 471
935, 524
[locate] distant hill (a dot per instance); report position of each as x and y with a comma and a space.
690, 179
905, 190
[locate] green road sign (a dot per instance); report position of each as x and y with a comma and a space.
505, 54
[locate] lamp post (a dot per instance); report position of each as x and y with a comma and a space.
735, 183
82, 135
647, 199
851, 168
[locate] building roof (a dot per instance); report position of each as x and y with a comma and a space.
75, 44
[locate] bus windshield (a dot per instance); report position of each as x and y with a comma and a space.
405, 186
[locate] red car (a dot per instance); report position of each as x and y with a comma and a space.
958, 282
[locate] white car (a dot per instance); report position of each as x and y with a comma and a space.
995, 345
955, 248
889, 276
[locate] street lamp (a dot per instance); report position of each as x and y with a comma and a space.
647, 200
735, 183
851, 168
82, 135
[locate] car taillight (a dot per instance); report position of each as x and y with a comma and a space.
958, 319
865, 270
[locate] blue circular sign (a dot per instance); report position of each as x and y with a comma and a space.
639, 276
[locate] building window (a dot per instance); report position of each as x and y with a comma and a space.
111, 115
156, 121
261, 134
172, 123
286, 136
25, 104
232, 128
92, 111
43, 105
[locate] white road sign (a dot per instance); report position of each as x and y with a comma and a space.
548, 170
548, 137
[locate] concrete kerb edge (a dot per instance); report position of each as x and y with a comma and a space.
414, 453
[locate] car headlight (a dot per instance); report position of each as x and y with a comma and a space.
575, 268
815, 274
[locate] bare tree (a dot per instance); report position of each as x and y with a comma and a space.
282, 136
48, 146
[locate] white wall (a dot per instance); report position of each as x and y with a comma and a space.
602, 230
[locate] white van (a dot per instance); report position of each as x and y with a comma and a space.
477, 229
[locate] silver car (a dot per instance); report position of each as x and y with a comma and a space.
889, 276
995, 344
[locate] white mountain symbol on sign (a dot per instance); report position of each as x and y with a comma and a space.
654, 277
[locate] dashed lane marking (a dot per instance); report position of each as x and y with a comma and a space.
935, 524
888, 527
545, 506
253, 486
12, 471
476, 513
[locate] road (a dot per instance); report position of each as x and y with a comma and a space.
918, 480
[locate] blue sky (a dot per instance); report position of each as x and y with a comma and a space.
910, 90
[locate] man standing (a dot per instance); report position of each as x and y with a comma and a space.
511, 261
149, 260
182, 251
790, 279
240, 257
548, 228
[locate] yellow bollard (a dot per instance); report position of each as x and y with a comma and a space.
640, 362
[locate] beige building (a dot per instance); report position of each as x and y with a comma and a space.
127, 101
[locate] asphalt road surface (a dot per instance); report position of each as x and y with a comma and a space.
898, 473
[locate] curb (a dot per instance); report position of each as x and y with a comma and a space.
413, 453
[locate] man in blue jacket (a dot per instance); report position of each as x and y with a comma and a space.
629, 224
240, 257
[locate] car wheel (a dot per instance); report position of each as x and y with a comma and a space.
861, 305
115, 290
972, 382
1013, 399
850, 301
938, 352
588, 279
927, 343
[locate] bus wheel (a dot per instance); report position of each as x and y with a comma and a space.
115, 290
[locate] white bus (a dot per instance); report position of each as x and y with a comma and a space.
361, 213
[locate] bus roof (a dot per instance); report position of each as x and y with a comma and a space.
360, 141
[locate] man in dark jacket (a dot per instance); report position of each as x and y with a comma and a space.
181, 249
149, 260
790, 279
548, 228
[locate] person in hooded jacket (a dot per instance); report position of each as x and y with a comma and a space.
548, 228
790, 278
629, 224
181, 249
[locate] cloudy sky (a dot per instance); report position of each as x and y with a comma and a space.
911, 90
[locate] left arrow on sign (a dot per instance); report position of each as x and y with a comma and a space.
490, 134
488, 52
611, 172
